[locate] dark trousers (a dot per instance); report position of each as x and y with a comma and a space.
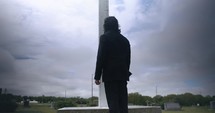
117, 96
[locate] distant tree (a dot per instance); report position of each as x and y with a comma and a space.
79, 100
18, 98
158, 99
171, 98
138, 99
93, 101
213, 98
147, 100
199, 99
93, 98
187, 99
207, 100
134, 98
64, 103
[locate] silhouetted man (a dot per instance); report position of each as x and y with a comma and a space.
113, 63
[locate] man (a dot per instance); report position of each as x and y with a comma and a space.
113, 63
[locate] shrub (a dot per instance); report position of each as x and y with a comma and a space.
64, 103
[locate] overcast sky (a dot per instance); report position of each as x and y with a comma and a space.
48, 47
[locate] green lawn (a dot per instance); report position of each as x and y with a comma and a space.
36, 108
45, 108
192, 110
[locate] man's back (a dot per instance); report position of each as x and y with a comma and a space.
116, 53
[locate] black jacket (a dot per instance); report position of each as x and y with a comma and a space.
113, 58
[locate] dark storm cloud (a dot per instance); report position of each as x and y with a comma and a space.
183, 49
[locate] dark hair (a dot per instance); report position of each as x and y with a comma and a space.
111, 24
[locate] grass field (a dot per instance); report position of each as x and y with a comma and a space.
192, 110
36, 108
45, 108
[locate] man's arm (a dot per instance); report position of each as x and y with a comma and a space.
100, 61
129, 56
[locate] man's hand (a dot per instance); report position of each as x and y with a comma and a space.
97, 82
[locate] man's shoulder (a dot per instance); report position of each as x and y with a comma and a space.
113, 36
124, 38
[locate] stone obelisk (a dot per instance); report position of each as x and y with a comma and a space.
103, 13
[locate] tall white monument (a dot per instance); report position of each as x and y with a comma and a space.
103, 13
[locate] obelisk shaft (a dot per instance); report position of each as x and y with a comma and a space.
103, 13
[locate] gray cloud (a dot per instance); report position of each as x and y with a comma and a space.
45, 50
6, 62
183, 50
49, 50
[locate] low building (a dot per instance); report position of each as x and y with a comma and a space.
172, 106
212, 104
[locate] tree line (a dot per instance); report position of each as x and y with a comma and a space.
186, 99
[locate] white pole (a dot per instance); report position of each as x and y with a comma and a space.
92, 90
103, 13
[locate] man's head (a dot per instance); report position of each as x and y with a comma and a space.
111, 24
